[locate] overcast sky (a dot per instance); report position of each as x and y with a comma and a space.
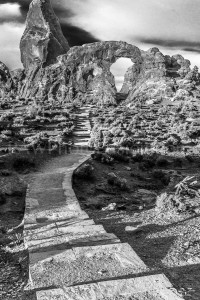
171, 25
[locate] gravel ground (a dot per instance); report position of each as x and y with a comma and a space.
167, 243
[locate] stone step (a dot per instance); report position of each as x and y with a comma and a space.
83, 264
50, 215
154, 287
55, 234
81, 144
81, 133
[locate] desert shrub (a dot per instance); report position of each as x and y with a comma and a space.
103, 158
139, 176
189, 158
147, 163
2, 199
137, 158
22, 163
160, 175
112, 178
115, 180
164, 203
85, 172
178, 162
120, 157
5, 173
110, 150
162, 162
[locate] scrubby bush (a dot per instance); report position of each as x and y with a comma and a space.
115, 180
2, 199
85, 172
103, 158
137, 175
189, 158
147, 164
120, 157
110, 151
22, 163
164, 203
178, 162
160, 175
162, 162
137, 158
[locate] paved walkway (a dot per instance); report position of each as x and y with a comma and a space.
72, 258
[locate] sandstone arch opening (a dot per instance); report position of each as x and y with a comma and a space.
118, 69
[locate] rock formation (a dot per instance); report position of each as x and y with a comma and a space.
53, 71
43, 40
6, 82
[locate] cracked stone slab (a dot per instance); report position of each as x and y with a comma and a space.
154, 287
79, 265
76, 222
100, 239
80, 230
61, 213
43, 240
121, 252
41, 232
47, 244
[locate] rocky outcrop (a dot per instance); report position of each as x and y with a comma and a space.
161, 78
83, 70
43, 40
82, 73
18, 77
6, 82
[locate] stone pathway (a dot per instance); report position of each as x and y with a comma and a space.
72, 258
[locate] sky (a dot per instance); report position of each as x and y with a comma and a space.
171, 25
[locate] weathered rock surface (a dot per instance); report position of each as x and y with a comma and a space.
56, 73
6, 82
43, 39
83, 70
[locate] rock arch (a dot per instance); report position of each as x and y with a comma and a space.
96, 59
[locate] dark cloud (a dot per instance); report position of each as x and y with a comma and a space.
184, 45
191, 50
75, 35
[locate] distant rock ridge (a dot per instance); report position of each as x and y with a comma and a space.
43, 40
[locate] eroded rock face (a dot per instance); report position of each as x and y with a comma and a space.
55, 72
84, 69
43, 40
6, 82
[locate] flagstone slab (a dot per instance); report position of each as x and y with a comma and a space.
121, 252
79, 231
47, 244
54, 214
76, 222
41, 231
100, 239
79, 265
153, 287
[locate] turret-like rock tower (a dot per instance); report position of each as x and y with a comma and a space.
43, 40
